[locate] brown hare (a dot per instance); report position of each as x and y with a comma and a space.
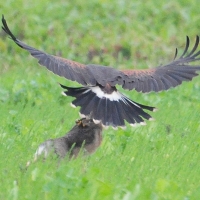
85, 135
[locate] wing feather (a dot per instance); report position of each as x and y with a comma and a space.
63, 67
167, 76
146, 80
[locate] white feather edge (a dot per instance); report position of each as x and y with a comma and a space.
96, 121
63, 93
72, 105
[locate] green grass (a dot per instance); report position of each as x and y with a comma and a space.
157, 161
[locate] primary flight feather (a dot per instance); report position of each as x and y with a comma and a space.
99, 98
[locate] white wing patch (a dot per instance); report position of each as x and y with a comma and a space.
114, 96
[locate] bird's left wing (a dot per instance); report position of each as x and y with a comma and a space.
167, 76
63, 67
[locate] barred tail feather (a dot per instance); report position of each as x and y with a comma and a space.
110, 111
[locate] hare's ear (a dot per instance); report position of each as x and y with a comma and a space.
89, 116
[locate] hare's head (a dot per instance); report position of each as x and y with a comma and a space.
88, 123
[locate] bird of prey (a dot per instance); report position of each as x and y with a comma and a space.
99, 97
85, 134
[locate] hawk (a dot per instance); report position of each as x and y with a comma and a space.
99, 97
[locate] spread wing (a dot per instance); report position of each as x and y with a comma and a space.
156, 79
69, 69
167, 76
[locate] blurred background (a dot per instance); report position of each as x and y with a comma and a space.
150, 162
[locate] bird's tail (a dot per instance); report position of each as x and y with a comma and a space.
110, 112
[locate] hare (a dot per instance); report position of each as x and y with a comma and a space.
85, 135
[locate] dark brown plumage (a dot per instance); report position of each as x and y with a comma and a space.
85, 135
99, 97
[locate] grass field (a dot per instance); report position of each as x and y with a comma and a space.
157, 161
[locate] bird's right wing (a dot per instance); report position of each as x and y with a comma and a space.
63, 67
167, 76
